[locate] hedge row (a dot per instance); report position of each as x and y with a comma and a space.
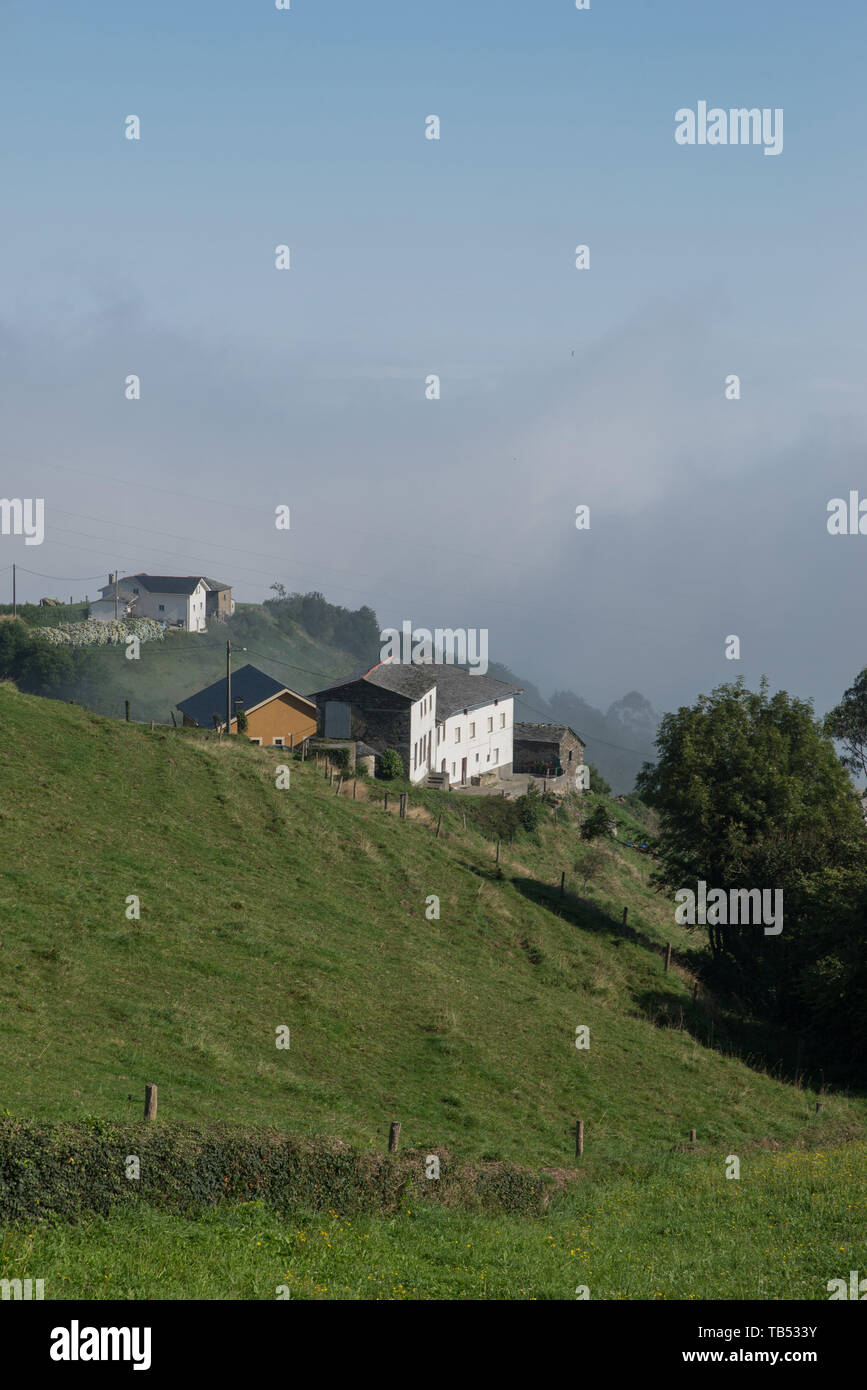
67, 1171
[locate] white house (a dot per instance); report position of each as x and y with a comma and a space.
440, 718
169, 598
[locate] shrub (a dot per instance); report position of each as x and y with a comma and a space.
68, 1171
530, 807
391, 765
597, 823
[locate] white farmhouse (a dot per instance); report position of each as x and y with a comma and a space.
172, 599
440, 718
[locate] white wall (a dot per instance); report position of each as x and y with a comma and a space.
484, 750
422, 724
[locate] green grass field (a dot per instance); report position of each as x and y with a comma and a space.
678, 1231
263, 907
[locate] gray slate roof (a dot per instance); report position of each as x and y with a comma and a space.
544, 733
456, 687
166, 583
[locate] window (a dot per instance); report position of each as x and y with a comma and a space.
477, 757
502, 721
453, 769
162, 608
472, 731
496, 755
278, 743
457, 735
490, 724
255, 740
414, 756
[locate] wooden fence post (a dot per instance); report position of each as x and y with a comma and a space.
464, 814
439, 825
625, 911
579, 1138
497, 860
126, 706
339, 784
394, 1136
385, 803
667, 955
404, 802
694, 991
692, 1137
355, 789
562, 883
150, 1112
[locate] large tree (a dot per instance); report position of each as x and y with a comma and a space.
751, 794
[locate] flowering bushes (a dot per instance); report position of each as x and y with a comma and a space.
113, 634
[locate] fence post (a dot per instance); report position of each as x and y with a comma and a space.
126, 705
394, 1136
692, 1137
355, 789
625, 911
150, 1112
404, 800
562, 883
439, 825
497, 860
579, 1138
667, 955
339, 784
385, 803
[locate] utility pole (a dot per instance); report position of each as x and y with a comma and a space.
14, 600
228, 689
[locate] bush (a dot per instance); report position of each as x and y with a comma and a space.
241, 716
391, 765
597, 823
68, 1171
530, 808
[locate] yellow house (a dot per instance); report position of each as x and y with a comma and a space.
276, 715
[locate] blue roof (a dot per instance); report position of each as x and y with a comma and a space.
249, 685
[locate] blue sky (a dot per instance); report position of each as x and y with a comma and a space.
454, 256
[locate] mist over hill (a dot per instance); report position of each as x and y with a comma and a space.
618, 740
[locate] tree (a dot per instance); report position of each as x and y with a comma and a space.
751, 795
847, 722
598, 782
36, 666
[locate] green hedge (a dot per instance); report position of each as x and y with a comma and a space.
67, 1171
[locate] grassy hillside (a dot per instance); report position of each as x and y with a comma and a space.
184, 662
263, 907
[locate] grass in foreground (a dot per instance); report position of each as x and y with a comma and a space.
680, 1231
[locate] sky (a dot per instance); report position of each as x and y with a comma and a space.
602, 387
